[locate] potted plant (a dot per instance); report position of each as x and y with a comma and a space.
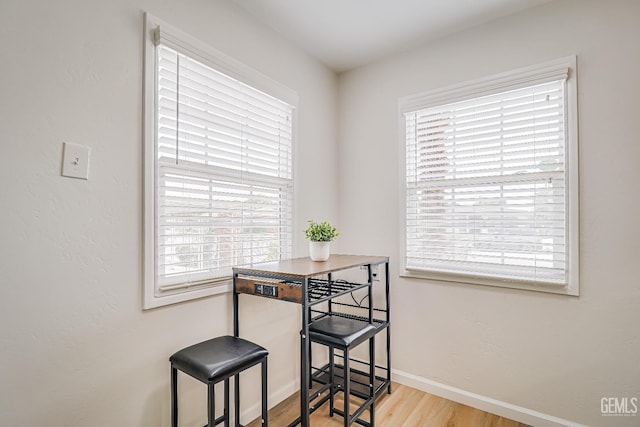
320, 235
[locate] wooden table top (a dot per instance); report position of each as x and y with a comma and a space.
304, 267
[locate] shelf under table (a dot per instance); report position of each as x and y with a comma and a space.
358, 380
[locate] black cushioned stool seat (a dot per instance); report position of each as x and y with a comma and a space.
216, 360
343, 333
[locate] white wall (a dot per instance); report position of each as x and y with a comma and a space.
75, 346
554, 354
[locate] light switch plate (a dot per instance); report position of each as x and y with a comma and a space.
75, 161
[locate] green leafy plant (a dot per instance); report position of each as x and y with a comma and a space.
320, 231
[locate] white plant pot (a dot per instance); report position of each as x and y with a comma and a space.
319, 251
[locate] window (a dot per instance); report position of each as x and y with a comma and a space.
218, 171
490, 185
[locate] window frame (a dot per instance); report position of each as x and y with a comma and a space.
515, 79
217, 60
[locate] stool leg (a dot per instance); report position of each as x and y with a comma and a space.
174, 397
347, 388
226, 403
236, 395
332, 381
265, 408
212, 405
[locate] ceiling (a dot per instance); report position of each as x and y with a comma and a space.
346, 34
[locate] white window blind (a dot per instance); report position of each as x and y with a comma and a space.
485, 186
224, 184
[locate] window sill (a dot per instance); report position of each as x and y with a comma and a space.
491, 281
168, 298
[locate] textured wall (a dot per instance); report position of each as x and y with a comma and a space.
75, 346
554, 354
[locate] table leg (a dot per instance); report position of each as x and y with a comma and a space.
388, 301
236, 333
304, 358
236, 327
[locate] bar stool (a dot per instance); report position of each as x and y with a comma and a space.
216, 360
343, 333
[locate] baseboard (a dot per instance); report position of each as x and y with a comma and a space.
504, 409
274, 398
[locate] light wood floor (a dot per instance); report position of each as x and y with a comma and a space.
405, 406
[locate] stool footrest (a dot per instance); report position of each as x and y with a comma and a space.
318, 392
358, 380
219, 420
357, 420
318, 404
312, 409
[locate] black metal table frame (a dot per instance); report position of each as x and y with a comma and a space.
305, 343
